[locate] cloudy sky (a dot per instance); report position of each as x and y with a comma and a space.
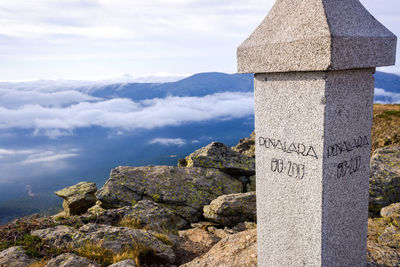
97, 39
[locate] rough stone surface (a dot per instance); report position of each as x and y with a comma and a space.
15, 257
382, 256
71, 260
246, 146
125, 263
239, 250
114, 238
232, 209
251, 186
313, 135
219, 156
155, 216
185, 190
392, 212
383, 239
59, 236
384, 178
201, 236
316, 35
78, 198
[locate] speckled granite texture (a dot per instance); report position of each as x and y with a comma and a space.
313, 135
317, 35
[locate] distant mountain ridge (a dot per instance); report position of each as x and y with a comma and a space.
207, 83
196, 85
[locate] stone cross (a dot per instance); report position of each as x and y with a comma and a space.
314, 62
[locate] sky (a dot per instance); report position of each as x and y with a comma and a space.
101, 39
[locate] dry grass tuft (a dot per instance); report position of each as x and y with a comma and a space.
163, 238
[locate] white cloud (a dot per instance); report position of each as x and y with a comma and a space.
168, 141
127, 114
13, 98
394, 97
47, 157
18, 164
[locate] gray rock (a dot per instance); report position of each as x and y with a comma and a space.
382, 256
78, 198
246, 146
185, 190
392, 212
116, 239
251, 186
384, 186
15, 257
155, 217
239, 250
219, 156
59, 236
125, 263
71, 260
119, 238
229, 210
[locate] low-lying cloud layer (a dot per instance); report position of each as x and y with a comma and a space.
390, 97
53, 114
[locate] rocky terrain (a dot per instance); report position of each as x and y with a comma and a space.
200, 213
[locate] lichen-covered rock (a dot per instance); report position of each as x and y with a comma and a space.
390, 237
59, 236
125, 263
219, 156
185, 190
246, 146
384, 179
382, 256
392, 212
232, 209
155, 216
15, 257
71, 260
239, 250
78, 198
116, 239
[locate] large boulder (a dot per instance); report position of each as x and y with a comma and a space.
384, 178
70, 260
15, 257
232, 209
115, 239
78, 198
246, 146
219, 156
185, 190
239, 250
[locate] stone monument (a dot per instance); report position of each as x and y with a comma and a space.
314, 62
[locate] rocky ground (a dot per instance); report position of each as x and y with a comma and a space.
200, 213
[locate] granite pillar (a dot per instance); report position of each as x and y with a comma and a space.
314, 62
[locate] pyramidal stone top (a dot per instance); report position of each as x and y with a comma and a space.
317, 35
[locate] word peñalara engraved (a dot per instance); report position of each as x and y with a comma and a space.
300, 149
347, 146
